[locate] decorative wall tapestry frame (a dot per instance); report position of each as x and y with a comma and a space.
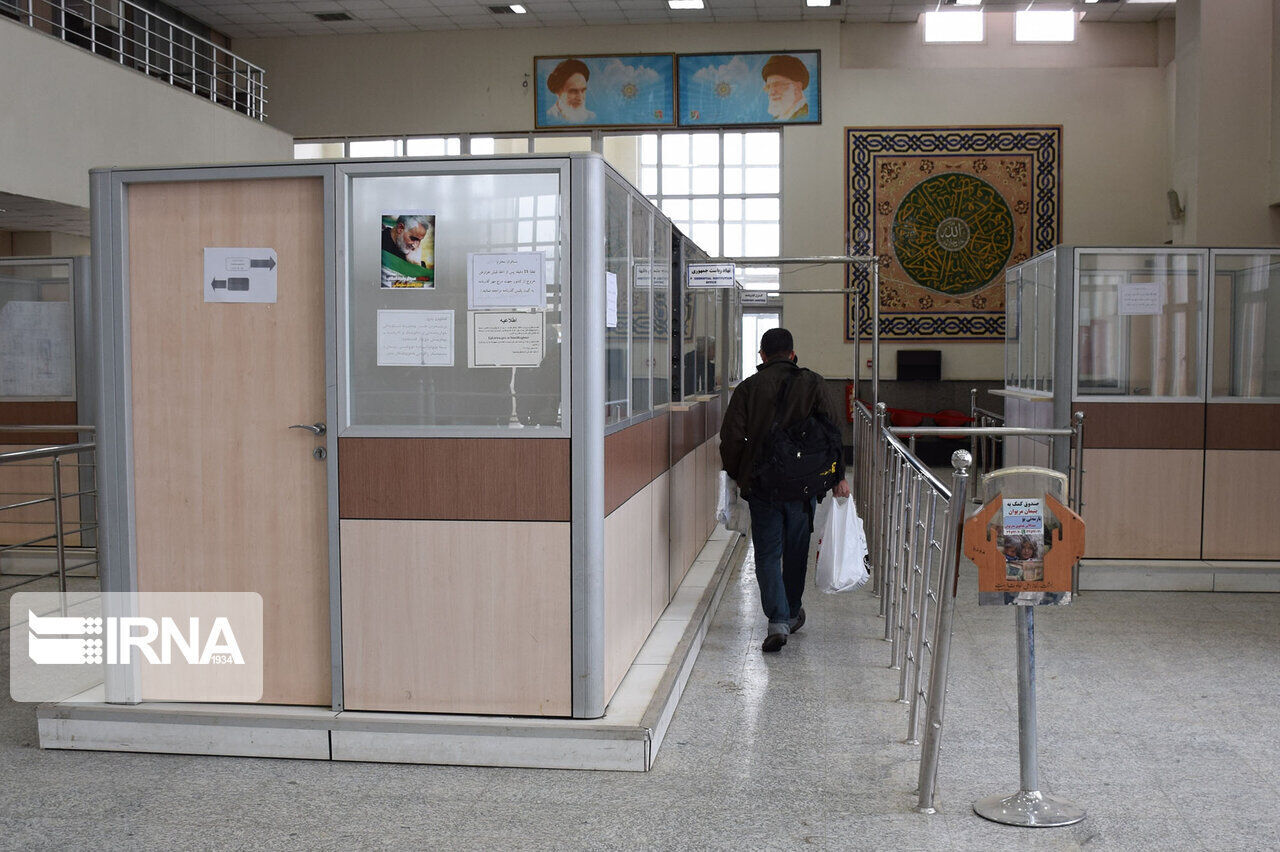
946, 210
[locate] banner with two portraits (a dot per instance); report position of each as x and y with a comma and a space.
686, 90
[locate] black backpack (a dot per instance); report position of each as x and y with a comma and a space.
800, 461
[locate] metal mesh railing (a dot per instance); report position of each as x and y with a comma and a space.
137, 38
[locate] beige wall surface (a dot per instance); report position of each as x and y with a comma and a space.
67, 111
1115, 125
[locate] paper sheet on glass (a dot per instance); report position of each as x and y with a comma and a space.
611, 299
505, 339
36, 349
513, 280
415, 338
1141, 299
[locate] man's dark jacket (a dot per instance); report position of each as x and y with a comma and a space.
751, 413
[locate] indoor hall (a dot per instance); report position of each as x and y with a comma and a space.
1164, 745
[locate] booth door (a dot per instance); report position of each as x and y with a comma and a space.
226, 496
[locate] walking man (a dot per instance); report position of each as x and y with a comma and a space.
782, 402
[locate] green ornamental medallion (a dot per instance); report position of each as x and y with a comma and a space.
953, 233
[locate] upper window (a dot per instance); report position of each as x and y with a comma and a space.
950, 27
1035, 25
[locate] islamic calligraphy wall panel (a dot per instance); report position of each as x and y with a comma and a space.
946, 210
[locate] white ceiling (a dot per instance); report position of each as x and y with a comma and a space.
276, 18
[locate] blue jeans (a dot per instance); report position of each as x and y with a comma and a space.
780, 532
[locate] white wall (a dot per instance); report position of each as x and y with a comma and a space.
66, 111
1115, 125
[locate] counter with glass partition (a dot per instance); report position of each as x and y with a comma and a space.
439, 406
1173, 355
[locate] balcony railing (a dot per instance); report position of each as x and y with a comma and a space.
134, 37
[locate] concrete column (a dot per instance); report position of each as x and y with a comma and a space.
1222, 164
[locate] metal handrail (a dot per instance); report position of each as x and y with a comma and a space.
914, 525
137, 38
23, 458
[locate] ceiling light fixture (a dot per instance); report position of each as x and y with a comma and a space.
518, 9
685, 4
817, 2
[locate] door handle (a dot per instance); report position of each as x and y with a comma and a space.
316, 428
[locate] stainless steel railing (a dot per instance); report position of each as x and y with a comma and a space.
914, 527
130, 35
34, 521
983, 448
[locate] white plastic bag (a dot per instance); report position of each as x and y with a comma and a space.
841, 548
731, 509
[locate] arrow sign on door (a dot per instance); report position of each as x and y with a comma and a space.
254, 279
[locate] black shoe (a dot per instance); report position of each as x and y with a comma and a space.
773, 643
795, 628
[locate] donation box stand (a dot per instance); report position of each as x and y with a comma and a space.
1026, 543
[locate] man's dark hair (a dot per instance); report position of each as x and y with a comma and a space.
776, 341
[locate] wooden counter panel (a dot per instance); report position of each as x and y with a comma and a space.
1142, 504
1143, 425
38, 414
688, 430
660, 452
628, 463
463, 479
1241, 491
1239, 426
715, 413
457, 617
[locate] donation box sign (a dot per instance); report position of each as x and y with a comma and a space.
1025, 549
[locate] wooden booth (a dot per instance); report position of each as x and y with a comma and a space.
433, 411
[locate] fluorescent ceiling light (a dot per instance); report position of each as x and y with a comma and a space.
1044, 26
1149, 1
968, 3
952, 26
817, 2
685, 4
518, 9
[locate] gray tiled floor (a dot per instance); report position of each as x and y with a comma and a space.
1157, 713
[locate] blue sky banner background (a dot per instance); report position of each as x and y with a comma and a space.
726, 88
622, 90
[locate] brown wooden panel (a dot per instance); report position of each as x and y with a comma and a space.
715, 411
1235, 426
454, 479
660, 438
628, 466
37, 414
1241, 490
689, 430
1142, 504
1143, 425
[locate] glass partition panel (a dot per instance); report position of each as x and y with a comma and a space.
37, 332
661, 312
1139, 323
641, 305
1027, 292
617, 249
1246, 324
1012, 290
447, 321
714, 373
1046, 284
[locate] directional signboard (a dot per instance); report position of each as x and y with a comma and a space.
711, 274
239, 275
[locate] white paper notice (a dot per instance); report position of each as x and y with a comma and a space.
1141, 299
611, 299
239, 275
711, 274
415, 338
645, 276
506, 280
505, 339
36, 351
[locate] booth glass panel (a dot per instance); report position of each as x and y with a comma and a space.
1139, 323
617, 249
1046, 284
1246, 325
37, 332
1027, 293
1012, 291
641, 305
418, 356
661, 312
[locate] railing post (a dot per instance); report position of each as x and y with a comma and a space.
879, 495
57, 525
1075, 495
931, 551
973, 418
950, 577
